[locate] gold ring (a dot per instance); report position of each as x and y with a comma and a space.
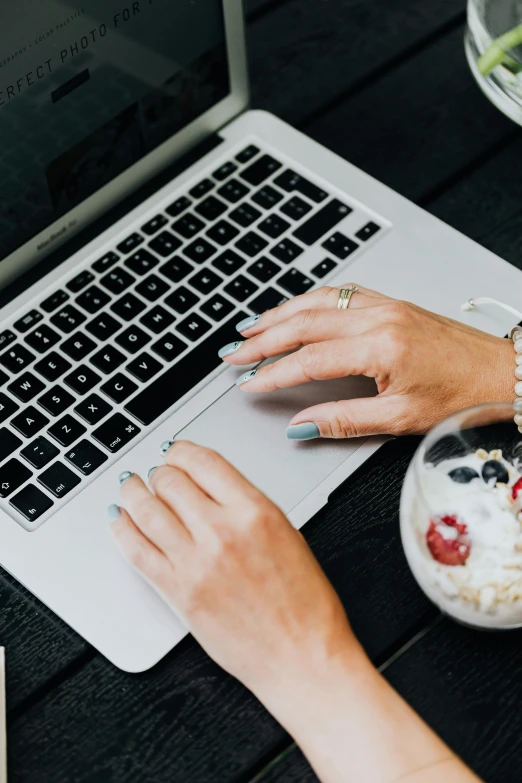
344, 297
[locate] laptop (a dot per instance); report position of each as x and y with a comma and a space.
109, 350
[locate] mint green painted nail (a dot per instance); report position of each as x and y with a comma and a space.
306, 431
246, 323
247, 376
125, 476
113, 512
165, 446
229, 349
151, 470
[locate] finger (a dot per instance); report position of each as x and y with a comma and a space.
181, 495
138, 550
379, 415
213, 474
150, 515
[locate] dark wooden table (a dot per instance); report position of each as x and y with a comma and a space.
385, 84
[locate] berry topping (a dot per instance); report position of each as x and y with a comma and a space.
463, 475
517, 489
495, 469
448, 541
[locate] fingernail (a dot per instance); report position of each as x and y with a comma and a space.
113, 512
165, 446
306, 431
151, 470
246, 323
230, 348
247, 376
125, 476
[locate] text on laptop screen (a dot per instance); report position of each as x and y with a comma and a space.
87, 89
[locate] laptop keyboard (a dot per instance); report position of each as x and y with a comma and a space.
117, 345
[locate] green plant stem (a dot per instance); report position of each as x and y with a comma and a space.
497, 52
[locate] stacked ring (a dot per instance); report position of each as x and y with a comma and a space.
516, 336
345, 295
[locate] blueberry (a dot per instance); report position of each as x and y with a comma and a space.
463, 475
495, 469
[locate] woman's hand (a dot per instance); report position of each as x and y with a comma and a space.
425, 366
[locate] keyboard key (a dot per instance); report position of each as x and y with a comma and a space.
179, 206
40, 452
248, 153
42, 338
108, 359
93, 409
129, 244
52, 367
8, 443
68, 319
165, 244
260, 170
367, 232
175, 382
200, 250
245, 215
144, 367
224, 171
217, 307
116, 432
105, 262
67, 430
132, 339
340, 246
222, 232
143, 261
295, 282
28, 321
7, 407
25, 387
12, 475
154, 224
286, 251
266, 301
103, 326
128, 307
86, 457
82, 379
194, 327
152, 288
56, 401
3, 378
251, 244
169, 347
181, 300
59, 480
31, 502
78, 346
290, 181
296, 208
211, 208
80, 281
267, 197
205, 281
322, 222
6, 338
264, 269
119, 388
188, 226
273, 226
16, 358
117, 281
233, 191
322, 269
229, 262
92, 300
176, 269
241, 288
29, 422
157, 319
202, 188
54, 301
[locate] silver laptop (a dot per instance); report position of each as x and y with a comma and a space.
115, 350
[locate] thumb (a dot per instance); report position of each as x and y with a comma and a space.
378, 415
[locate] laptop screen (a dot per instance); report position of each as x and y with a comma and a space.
89, 88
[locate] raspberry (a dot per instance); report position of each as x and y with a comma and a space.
517, 489
448, 551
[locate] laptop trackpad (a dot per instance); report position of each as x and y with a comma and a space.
249, 431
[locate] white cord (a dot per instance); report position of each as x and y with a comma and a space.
472, 303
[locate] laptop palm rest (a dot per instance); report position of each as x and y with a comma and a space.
249, 430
